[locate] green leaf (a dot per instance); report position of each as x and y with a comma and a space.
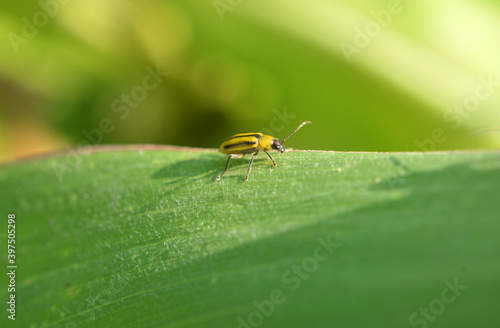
143, 237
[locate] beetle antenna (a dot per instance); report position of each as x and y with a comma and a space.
297, 129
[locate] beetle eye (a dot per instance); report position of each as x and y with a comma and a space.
277, 145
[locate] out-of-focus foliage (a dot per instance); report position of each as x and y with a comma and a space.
370, 75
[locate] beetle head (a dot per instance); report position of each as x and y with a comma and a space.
278, 145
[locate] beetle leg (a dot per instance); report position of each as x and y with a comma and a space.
227, 165
274, 163
250, 166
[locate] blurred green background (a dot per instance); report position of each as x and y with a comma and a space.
370, 75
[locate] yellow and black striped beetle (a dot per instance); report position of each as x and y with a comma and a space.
242, 144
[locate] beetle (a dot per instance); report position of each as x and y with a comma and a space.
242, 144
